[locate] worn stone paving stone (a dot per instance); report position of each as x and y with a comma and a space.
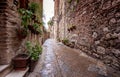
57, 60
72, 65
47, 66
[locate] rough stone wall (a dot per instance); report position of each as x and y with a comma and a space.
10, 43
55, 28
97, 28
61, 19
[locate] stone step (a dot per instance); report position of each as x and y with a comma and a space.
4, 70
18, 73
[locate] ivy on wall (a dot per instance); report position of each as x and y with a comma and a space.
31, 18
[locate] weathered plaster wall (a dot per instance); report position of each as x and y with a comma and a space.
97, 28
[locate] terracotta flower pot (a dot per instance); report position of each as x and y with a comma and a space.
20, 61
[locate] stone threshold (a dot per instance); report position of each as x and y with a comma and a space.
3, 67
18, 73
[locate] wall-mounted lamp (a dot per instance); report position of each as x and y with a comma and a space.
15, 2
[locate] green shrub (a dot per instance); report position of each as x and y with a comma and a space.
25, 16
33, 50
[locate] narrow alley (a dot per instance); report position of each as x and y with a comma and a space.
58, 60
59, 38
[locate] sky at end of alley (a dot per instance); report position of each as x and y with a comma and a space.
48, 11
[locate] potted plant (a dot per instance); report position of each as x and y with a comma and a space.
35, 28
34, 52
20, 61
25, 16
29, 18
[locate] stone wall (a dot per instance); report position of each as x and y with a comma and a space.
10, 24
93, 26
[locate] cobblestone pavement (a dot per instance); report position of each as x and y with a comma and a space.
58, 60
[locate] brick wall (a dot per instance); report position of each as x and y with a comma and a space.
97, 31
10, 23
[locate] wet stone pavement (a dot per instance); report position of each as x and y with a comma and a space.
58, 60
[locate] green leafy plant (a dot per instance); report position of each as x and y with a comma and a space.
33, 7
25, 17
37, 27
33, 50
30, 19
65, 41
29, 47
36, 51
50, 22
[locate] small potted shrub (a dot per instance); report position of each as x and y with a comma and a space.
34, 52
35, 56
25, 16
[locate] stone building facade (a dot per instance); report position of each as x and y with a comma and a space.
10, 43
94, 26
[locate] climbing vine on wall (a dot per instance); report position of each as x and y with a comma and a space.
31, 19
